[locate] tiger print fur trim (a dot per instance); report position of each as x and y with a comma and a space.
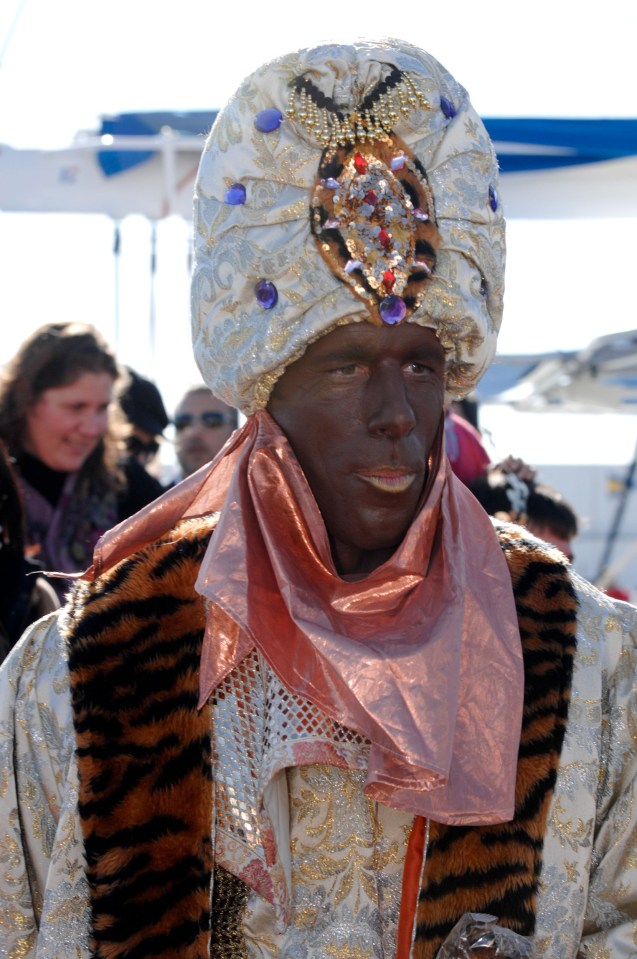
143, 753
495, 869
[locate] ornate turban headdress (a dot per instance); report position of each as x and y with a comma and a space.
344, 184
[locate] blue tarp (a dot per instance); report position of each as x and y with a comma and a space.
148, 124
559, 142
522, 143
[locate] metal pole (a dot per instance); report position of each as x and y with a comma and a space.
117, 245
619, 514
153, 305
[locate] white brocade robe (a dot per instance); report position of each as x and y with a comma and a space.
587, 902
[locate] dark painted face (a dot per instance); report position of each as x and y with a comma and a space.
361, 409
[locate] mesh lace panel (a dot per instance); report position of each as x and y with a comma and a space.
237, 739
259, 729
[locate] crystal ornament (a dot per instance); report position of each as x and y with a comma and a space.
447, 108
493, 198
235, 195
392, 310
360, 164
267, 121
266, 294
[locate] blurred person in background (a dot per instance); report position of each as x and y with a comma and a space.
24, 596
509, 491
550, 517
202, 425
463, 442
144, 409
56, 420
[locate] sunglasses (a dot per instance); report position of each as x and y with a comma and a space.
211, 419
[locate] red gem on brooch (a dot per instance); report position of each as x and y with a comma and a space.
371, 198
388, 280
384, 238
360, 164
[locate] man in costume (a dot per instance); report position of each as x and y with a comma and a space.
312, 703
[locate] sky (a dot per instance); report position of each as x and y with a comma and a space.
66, 63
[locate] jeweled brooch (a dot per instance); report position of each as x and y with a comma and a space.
371, 209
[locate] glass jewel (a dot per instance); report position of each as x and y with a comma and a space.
389, 280
267, 121
447, 108
360, 163
266, 294
392, 310
235, 195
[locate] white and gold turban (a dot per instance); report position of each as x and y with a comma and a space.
342, 184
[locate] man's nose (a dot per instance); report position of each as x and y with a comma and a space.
390, 411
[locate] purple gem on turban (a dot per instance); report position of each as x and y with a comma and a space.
392, 310
266, 294
447, 108
398, 162
268, 120
331, 183
235, 194
493, 199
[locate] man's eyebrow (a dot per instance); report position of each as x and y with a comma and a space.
338, 354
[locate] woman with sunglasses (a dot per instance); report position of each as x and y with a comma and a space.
202, 425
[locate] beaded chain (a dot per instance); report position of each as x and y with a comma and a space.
373, 120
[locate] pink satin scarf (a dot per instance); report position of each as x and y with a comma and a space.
422, 657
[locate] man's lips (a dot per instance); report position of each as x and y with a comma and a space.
388, 479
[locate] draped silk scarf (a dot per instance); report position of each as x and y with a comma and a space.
422, 657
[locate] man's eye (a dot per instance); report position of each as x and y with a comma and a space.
348, 369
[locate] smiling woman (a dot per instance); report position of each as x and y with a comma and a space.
66, 423
55, 417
